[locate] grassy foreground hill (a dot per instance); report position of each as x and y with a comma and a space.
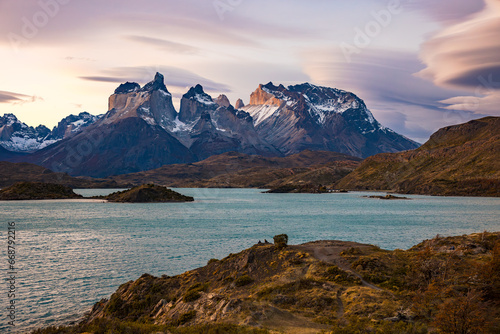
442, 285
459, 160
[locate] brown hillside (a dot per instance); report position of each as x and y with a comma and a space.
459, 160
37, 190
11, 173
242, 170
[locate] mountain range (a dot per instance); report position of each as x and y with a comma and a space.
142, 130
16, 136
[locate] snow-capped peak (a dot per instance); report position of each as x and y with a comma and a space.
197, 94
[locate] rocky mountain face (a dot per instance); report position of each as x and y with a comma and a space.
320, 118
459, 160
72, 125
142, 130
16, 136
127, 145
209, 127
152, 103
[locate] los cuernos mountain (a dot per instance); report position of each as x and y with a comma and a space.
142, 130
319, 118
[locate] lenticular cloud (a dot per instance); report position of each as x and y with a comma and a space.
465, 55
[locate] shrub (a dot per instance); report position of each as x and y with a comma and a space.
280, 241
337, 275
243, 280
193, 293
186, 317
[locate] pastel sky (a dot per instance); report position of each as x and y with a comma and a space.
418, 64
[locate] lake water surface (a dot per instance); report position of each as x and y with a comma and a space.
70, 254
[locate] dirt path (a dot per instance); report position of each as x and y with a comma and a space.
340, 306
329, 252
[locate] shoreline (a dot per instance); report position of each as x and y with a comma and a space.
321, 256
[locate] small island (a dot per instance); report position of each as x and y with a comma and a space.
147, 193
387, 197
299, 189
37, 191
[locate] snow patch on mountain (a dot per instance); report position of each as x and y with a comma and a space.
204, 99
180, 126
261, 112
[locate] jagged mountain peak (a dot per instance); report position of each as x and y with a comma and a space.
307, 116
152, 103
194, 102
198, 94
17, 136
127, 87
8, 119
239, 104
223, 101
158, 83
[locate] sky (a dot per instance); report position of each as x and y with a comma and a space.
418, 64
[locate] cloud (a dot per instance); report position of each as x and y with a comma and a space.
9, 97
71, 58
163, 44
465, 56
18, 99
462, 53
174, 77
447, 11
385, 80
102, 79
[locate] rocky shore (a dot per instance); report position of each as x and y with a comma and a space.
440, 285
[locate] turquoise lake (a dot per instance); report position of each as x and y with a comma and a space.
71, 254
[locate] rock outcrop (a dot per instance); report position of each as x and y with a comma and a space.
239, 104
148, 193
321, 286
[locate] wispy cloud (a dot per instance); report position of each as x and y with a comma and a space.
10, 97
163, 44
17, 98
